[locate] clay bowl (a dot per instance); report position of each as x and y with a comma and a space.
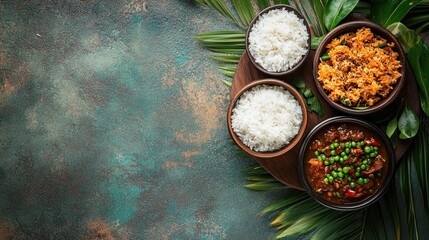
382, 108
285, 148
256, 19
315, 167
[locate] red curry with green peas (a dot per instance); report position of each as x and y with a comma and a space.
346, 163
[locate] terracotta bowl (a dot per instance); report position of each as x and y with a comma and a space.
252, 59
293, 142
380, 108
311, 178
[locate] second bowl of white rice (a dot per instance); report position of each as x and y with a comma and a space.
278, 40
267, 118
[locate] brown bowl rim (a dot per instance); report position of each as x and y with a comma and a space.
378, 30
295, 140
300, 63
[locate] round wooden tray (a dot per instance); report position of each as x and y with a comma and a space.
285, 167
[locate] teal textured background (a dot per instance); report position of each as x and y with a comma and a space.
112, 125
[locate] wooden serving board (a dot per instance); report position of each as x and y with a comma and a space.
285, 167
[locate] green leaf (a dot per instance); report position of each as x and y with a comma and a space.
263, 4
264, 186
319, 8
408, 123
314, 105
337, 10
418, 58
227, 83
244, 10
362, 8
220, 6
281, 2
387, 12
391, 127
315, 41
307, 9
406, 37
226, 58
286, 201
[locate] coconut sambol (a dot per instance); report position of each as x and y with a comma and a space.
359, 69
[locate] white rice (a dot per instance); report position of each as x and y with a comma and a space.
266, 118
278, 40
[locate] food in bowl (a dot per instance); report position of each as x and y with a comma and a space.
266, 118
278, 40
359, 69
345, 163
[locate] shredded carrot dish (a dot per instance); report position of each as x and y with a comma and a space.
359, 68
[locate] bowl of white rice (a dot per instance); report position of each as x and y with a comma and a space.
278, 40
267, 118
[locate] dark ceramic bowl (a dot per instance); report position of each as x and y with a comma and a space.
296, 66
380, 108
318, 193
293, 142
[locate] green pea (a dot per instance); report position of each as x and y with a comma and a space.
325, 180
360, 181
331, 179
319, 158
362, 143
376, 148
336, 145
332, 146
365, 162
342, 144
353, 144
366, 180
372, 154
357, 174
328, 175
336, 158
316, 153
352, 184
323, 157
332, 160
340, 174
343, 154
333, 153
367, 149
358, 169
326, 162
349, 179
345, 158
346, 169
347, 144
334, 174
347, 150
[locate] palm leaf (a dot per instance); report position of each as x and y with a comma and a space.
307, 10
262, 4
220, 6
228, 42
244, 10
226, 58
281, 2
228, 70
